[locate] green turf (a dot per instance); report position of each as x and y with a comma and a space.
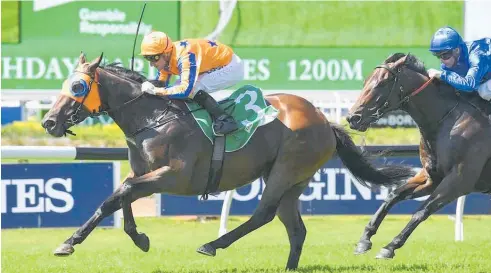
10, 21
328, 248
324, 23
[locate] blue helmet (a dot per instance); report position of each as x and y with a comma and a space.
445, 38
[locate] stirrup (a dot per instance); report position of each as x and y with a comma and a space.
221, 127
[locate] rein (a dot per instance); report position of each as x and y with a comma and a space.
381, 111
157, 122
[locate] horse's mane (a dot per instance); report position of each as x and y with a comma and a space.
412, 62
119, 70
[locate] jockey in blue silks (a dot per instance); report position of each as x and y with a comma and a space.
465, 66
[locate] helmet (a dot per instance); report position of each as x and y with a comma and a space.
156, 42
445, 38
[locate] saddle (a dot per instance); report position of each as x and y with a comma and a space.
477, 102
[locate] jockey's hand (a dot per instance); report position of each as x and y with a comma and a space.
434, 73
149, 88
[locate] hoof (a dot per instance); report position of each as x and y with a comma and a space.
385, 254
207, 250
64, 250
363, 247
142, 242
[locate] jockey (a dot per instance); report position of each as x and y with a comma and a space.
465, 66
204, 66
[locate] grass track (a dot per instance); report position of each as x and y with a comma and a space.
328, 248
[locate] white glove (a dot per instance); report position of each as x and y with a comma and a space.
149, 88
434, 73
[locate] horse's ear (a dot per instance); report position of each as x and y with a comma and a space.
408, 57
401, 61
81, 58
95, 63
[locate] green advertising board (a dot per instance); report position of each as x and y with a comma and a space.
317, 68
53, 33
53, 36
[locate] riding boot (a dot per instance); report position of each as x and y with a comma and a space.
223, 122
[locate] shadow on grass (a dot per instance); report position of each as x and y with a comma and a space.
313, 268
367, 268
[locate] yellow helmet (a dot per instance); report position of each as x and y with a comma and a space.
156, 42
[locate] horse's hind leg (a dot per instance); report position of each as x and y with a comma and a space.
279, 181
419, 185
289, 215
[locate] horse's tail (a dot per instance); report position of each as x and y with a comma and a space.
359, 165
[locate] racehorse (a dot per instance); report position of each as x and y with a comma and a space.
455, 145
168, 153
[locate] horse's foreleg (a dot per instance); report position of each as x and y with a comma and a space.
140, 239
131, 190
108, 207
135, 188
419, 185
451, 187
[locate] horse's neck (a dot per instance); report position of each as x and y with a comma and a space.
430, 107
131, 112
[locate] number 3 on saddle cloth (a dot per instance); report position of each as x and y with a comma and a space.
249, 109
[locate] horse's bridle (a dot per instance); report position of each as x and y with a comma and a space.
74, 118
402, 100
102, 111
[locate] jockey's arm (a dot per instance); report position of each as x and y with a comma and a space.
164, 78
188, 65
471, 81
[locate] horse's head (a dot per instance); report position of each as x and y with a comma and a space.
79, 99
388, 88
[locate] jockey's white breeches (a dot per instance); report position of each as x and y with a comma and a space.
221, 78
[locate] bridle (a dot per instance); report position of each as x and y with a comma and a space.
381, 111
74, 118
402, 99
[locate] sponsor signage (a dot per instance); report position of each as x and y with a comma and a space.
55, 195
333, 190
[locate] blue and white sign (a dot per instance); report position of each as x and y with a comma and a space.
55, 195
333, 190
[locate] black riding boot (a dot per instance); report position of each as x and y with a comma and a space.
223, 123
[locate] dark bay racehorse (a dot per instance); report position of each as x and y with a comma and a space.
455, 145
169, 153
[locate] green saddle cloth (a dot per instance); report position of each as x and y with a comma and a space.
249, 109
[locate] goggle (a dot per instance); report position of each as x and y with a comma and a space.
444, 55
152, 58
80, 88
